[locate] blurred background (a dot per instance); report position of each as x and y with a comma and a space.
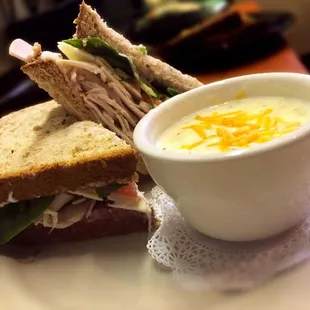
199, 37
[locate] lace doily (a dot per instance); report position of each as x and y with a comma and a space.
200, 262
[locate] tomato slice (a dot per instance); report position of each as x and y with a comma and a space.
128, 190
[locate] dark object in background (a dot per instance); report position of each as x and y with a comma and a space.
226, 41
48, 26
305, 58
17, 91
208, 36
166, 21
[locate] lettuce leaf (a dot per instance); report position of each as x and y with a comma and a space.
98, 47
15, 217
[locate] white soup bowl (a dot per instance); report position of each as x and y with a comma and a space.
238, 196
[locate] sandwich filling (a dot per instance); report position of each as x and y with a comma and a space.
66, 209
108, 81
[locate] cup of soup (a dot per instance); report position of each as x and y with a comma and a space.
234, 155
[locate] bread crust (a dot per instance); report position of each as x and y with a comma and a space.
49, 180
112, 222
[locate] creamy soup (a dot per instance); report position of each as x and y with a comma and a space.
236, 124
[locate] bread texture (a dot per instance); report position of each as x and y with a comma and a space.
89, 24
44, 151
112, 222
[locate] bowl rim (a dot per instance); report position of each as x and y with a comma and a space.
146, 147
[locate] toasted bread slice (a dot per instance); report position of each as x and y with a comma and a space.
89, 24
44, 151
48, 76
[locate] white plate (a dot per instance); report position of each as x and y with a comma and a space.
117, 273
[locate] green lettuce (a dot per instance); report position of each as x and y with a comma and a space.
172, 91
15, 217
98, 47
143, 49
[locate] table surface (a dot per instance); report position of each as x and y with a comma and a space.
284, 60
118, 274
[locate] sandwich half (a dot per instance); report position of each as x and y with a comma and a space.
64, 180
100, 76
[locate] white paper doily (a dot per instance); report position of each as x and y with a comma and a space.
200, 262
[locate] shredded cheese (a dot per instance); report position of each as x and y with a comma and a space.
238, 129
